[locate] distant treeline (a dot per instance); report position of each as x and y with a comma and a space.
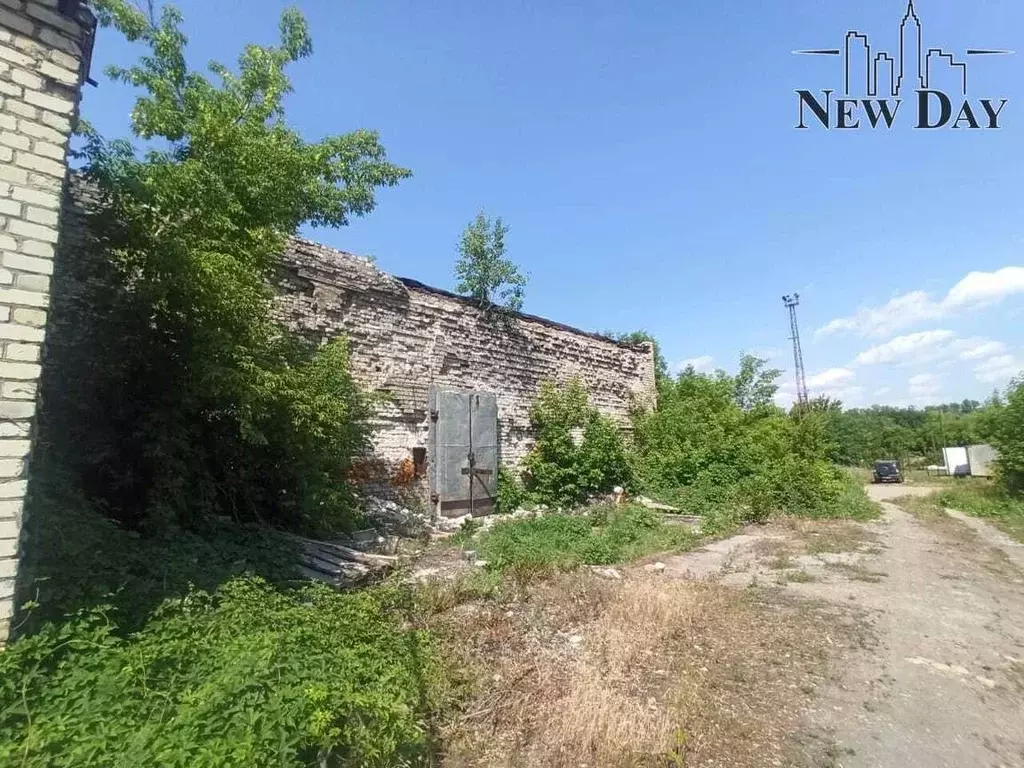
913, 435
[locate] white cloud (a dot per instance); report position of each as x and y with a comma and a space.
912, 348
976, 290
834, 383
900, 312
924, 386
766, 353
851, 396
998, 369
981, 288
830, 378
975, 349
702, 364
881, 391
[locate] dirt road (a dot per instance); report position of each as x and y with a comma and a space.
941, 683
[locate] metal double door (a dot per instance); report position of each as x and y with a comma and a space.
464, 452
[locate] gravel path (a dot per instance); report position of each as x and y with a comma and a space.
943, 683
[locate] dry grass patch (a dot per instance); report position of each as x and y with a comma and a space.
794, 538
647, 671
830, 536
856, 572
966, 543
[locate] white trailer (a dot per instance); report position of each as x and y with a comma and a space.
981, 459
956, 461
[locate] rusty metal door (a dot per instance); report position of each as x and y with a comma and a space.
464, 443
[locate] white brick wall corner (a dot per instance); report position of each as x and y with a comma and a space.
41, 61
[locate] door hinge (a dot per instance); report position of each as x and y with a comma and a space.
433, 415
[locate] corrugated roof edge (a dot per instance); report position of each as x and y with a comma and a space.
416, 285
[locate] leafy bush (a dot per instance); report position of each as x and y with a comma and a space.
247, 676
510, 494
607, 534
1006, 423
79, 558
181, 647
183, 396
578, 452
718, 447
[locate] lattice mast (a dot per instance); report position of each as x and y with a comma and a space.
792, 302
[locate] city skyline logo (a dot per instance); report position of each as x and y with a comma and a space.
876, 84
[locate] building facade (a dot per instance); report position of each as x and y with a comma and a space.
416, 345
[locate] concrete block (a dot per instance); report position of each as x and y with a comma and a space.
18, 390
39, 283
10, 409
25, 353
37, 248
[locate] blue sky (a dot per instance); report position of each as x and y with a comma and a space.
646, 159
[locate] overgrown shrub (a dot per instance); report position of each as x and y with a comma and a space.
510, 494
1006, 424
78, 558
717, 446
247, 676
182, 396
578, 452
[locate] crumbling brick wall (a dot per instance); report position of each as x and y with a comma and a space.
406, 337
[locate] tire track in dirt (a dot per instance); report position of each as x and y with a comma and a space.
943, 683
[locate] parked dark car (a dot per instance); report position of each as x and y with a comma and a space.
887, 472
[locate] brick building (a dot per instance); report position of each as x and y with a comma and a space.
460, 383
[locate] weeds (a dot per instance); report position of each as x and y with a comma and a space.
799, 577
857, 572
247, 675
986, 501
605, 535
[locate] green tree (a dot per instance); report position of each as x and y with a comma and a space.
755, 383
483, 270
1006, 424
187, 396
661, 374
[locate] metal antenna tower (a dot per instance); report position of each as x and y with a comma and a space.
792, 302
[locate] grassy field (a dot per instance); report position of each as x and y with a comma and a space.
978, 498
986, 501
605, 535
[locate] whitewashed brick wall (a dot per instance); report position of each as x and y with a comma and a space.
42, 50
